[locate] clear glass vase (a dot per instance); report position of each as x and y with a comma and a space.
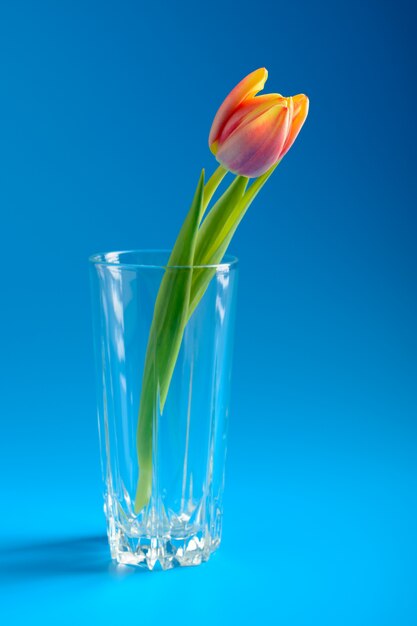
181, 522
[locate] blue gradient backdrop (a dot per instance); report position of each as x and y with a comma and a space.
105, 109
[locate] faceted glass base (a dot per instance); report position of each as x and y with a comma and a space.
174, 549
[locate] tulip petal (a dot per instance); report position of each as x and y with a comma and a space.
253, 148
300, 112
247, 88
249, 110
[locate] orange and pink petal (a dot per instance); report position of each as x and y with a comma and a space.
247, 88
253, 148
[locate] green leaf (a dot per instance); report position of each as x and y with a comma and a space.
212, 184
171, 309
211, 236
167, 329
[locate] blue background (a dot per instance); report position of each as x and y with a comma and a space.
105, 109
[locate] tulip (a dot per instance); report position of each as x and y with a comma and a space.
251, 133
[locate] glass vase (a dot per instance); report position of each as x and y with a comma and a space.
181, 522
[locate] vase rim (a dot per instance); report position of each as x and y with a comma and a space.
125, 259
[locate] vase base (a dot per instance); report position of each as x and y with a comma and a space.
161, 553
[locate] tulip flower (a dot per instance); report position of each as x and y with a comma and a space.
251, 133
